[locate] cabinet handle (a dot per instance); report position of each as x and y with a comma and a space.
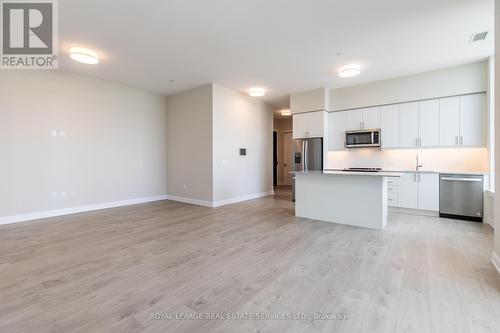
456, 140
416, 142
461, 140
414, 177
420, 142
419, 178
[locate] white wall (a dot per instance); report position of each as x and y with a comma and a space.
457, 80
240, 121
114, 146
189, 144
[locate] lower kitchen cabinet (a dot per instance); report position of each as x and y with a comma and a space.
408, 191
418, 191
428, 191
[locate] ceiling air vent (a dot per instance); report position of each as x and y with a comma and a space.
479, 36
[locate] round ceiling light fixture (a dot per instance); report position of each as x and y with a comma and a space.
285, 112
83, 55
349, 70
257, 92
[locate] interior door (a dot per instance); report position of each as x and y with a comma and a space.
287, 158
408, 119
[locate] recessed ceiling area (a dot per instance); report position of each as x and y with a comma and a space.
285, 46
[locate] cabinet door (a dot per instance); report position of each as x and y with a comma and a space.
354, 120
428, 123
308, 125
428, 191
389, 126
408, 191
408, 120
371, 118
471, 120
449, 121
336, 130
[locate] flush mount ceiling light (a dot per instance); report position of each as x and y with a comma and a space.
84, 55
349, 70
257, 92
286, 112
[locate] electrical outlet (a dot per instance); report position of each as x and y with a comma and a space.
54, 133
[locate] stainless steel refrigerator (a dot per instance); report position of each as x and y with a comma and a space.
307, 155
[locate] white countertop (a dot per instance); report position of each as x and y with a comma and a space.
426, 171
349, 173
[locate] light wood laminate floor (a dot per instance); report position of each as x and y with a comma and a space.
107, 271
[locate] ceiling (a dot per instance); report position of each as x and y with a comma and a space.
282, 45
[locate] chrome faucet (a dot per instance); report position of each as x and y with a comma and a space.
418, 165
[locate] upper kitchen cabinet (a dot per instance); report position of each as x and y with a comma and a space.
389, 126
354, 120
367, 118
461, 121
309, 125
471, 120
449, 121
428, 120
336, 130
311, 100
408, 120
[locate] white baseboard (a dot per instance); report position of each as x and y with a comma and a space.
495, 260
75, 210
243, 198
190, 201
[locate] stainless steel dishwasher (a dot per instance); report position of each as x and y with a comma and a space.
461, 196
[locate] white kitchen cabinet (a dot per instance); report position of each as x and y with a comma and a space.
354, 120
471, 120
389, 126
419, 191
428, 120
449, 121
366, 118
408, 120
371, 118
308, 125
311, 100
336, 130
408, 191
428, 191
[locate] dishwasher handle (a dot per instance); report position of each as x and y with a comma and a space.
462, 179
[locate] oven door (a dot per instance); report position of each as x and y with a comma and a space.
363, 138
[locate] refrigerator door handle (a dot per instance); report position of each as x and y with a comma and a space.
303, 156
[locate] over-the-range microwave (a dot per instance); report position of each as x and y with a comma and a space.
362, 138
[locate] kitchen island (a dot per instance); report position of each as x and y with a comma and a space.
352, 198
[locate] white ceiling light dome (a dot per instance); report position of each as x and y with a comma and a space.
257, 92
349, 70
84, 55
285, 112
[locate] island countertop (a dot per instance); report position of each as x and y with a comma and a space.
348, 173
